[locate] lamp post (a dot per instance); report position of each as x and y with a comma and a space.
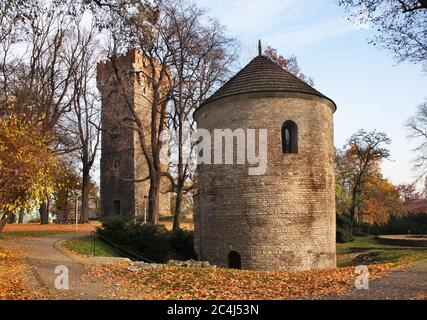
76, 200
76, 206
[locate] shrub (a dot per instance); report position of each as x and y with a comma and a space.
150, 241
361, 229
116, 229
182, 243
344, 235
408, 224
344, 228
343, 221
153, 242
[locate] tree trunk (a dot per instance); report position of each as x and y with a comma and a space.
178, 205
181, 178
352, 211
84, 217
65, 217
44, 213
4, 220
12, 218
154, 200
21, 215
353, 204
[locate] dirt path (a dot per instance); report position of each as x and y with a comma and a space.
44, 255
401, 284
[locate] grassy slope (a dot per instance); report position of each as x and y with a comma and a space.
358, 252
84, 246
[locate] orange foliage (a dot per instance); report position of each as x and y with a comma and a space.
13, 283
216, 283
382, 199
52, 227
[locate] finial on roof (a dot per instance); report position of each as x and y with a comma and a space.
259, 48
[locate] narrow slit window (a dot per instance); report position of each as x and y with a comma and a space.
289, 137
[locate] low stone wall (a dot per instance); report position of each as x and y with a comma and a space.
140, 265
403, 240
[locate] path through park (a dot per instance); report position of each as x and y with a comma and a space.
44, 255
402, 283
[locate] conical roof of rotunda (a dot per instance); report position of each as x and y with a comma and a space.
262, 75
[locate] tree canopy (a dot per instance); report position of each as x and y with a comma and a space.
27, 165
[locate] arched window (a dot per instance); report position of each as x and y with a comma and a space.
234, 261
289, 137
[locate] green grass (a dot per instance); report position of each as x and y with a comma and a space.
398, 256
84, 246
359, 242
358, 252
29, 234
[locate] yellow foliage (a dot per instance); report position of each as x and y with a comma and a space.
27, 163
381, 199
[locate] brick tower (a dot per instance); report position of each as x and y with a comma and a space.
283, 219
122, 160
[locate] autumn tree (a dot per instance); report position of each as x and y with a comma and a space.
40, 78
408, 191
24, 177
187, 57
41, 83
7, 15
200, 56
290, 64
65, 184
83, 122
417, 131
343, 172
144, 29
401, 25
380, 200
357, 162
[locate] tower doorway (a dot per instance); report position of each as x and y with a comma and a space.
234, 260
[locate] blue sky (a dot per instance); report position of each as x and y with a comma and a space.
369, 88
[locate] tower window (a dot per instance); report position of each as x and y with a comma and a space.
289, 137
